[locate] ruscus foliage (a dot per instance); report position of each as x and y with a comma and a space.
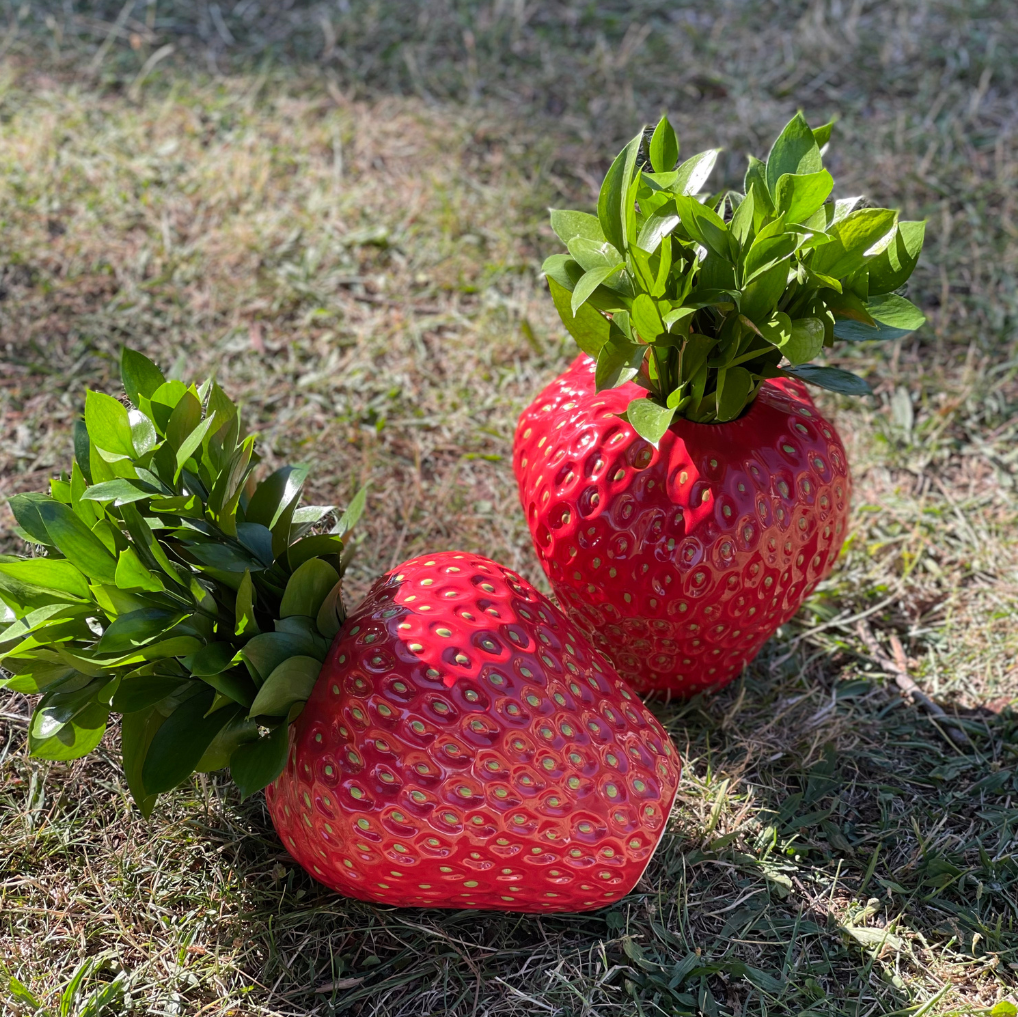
172, 588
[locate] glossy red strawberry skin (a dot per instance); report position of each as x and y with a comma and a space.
680, 561
466, 747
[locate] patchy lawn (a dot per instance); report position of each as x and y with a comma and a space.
341, 211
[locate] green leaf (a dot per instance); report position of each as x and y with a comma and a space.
237, 732
349, 519
799, 195
68, 996
762, 979
895, 317
225, 558
568, 224
307, 588
225, 495
761, 296
140, 376
121, 491
731, 398
22, 995
648, 419
618, 361
81, 449
175, 646
233, 685
183, 505
164, 400
186, 416
851, 238
308, 516
32, 676
589, 282
26, 510
893, 266
69, 725
766, 252
588, 327
111, 537
274, 494
832, 378
143, 432
144, 691
331, 614
220, 404
323, 545
39, 616
678, 318
693, 173
291, 682
743, 219
800, 340
60, 490
563, 270
656, 228
822, 135
149, 550
54, 575
132, 574
646, 317
212, 659
267, 651
137, 729
76, 541
794, 151
181, 741
190, 444
847, 305
48, 637
59, 707
756, 176
137, 628
664, 147
257, 764
108, 424
611, 200
806, 340
895, 311
1005, 1008
246, 624
705, 226
590, 255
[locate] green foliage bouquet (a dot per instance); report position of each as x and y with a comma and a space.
700, 298
171, 588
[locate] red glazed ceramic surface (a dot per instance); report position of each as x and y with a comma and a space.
466, 747
680, 561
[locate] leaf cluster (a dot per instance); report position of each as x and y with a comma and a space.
701, 297
172, 588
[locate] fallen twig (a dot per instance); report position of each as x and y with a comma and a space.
898, 667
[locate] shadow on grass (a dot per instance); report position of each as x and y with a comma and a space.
831, 853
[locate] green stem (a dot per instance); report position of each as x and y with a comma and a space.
661, 393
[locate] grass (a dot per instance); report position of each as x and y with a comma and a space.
351, 237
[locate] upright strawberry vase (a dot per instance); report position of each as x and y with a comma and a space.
680, 561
